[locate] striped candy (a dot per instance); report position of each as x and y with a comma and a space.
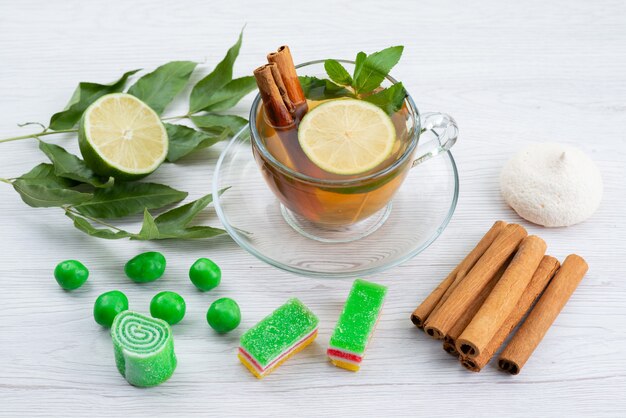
356, 324
268, 344
144, 349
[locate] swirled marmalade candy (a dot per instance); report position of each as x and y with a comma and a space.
144, 349
356, 324
277, 337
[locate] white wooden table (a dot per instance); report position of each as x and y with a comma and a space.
510, 74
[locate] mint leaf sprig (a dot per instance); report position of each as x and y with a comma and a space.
364, 83
91, 200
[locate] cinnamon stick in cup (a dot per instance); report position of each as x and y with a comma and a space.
441, 292
548, 266
276, 109
449, 341
550, 304
284, 62
445, 316
284, 105
282, 88
503, 299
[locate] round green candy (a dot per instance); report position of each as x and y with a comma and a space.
146, 267
108, 305
205, 274
168, 306
224, 315
71, 274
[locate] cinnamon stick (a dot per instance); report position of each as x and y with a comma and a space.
276, 109
503, 298
474, 256
450, 348
443, 318
283, 60
278, 78
548, 266
284, 105
550, 304
441, 292
449, 341
419, 315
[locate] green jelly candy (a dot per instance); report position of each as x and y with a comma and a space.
358, 319
205, 274
224, 315
108, 305
144, 349
71, 274
279, 332
168, 306
146, 267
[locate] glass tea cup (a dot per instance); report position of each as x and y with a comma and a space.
346, 208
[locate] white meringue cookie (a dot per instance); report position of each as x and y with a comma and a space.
552, 184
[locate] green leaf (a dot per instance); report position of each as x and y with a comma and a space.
41, 188
124, 199
84, 225
320, 89
185, 140
337, 72
70, 166
193, 232
375, 68
358, 64
44, 174
219, 123
230, 94
40, 196
149, 229
390, 99
84, 95
175, 223
159, 87
181, 216
202, 92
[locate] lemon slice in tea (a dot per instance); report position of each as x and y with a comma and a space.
347, 136
121, 136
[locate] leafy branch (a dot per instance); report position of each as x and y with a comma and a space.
91, 200
174, 223
364, 83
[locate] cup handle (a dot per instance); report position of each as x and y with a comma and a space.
444, 132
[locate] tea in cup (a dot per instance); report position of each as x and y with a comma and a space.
335, 160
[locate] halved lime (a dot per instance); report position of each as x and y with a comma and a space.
347, 136
121, 136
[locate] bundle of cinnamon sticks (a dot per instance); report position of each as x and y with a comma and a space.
477, 306
280, 89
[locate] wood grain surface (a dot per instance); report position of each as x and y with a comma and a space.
510, 73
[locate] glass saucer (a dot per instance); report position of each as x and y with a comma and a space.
255, 219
